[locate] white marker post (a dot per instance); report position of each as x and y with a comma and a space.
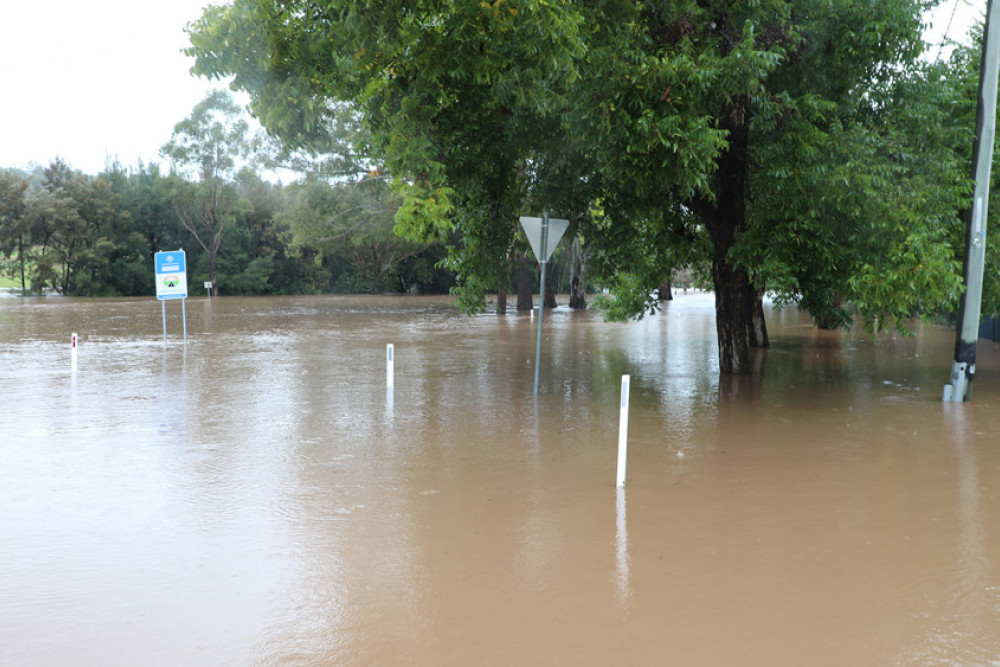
623, 432
390, 366
73, 359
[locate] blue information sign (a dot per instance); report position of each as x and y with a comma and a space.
171, 275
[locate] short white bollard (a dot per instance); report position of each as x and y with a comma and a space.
390, 366
623, 432
73, 358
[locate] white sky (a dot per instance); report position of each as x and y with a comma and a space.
960, 14
89, 80
86, 80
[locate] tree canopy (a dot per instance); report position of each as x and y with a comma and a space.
779, 141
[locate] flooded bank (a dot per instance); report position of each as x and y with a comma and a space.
258, 496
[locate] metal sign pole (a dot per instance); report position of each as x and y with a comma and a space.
539, 232
163, 308
541, 299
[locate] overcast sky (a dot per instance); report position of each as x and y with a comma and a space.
955, 16
85, 80
98, 79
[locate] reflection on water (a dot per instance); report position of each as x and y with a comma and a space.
969, 620
260, 496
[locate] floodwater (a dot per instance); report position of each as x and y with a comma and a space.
259, 496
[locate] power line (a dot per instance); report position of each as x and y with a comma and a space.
944, 37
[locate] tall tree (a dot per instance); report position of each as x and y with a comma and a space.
75, 221
153, 225
13, 228
771, 122
753, 132
211, 145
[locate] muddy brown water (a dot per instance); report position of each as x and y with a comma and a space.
258, 496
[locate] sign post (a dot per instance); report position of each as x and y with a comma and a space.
543, 235
171, 283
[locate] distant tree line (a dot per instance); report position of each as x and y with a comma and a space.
95, 235
331, 230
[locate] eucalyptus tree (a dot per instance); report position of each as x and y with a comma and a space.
351, 221
757, 135
57, 231
340, 154
153, 225
210, 147
14, 231
75, 222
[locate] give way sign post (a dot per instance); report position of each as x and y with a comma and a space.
543, 234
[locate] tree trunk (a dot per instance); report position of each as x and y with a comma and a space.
827, 319
758, 327
735, 301
502, 288
212, 272
376, 287
666, 291
550, 292
20, 259
739, 311
577, 286
524, 297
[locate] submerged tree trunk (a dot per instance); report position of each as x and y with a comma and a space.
503, 288
758, 327
827, 317
739, 310
212, 271
577, 285
666, 290
524, 297
735, 306
550, 291
20, 259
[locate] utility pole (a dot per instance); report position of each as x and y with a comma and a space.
963, 368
